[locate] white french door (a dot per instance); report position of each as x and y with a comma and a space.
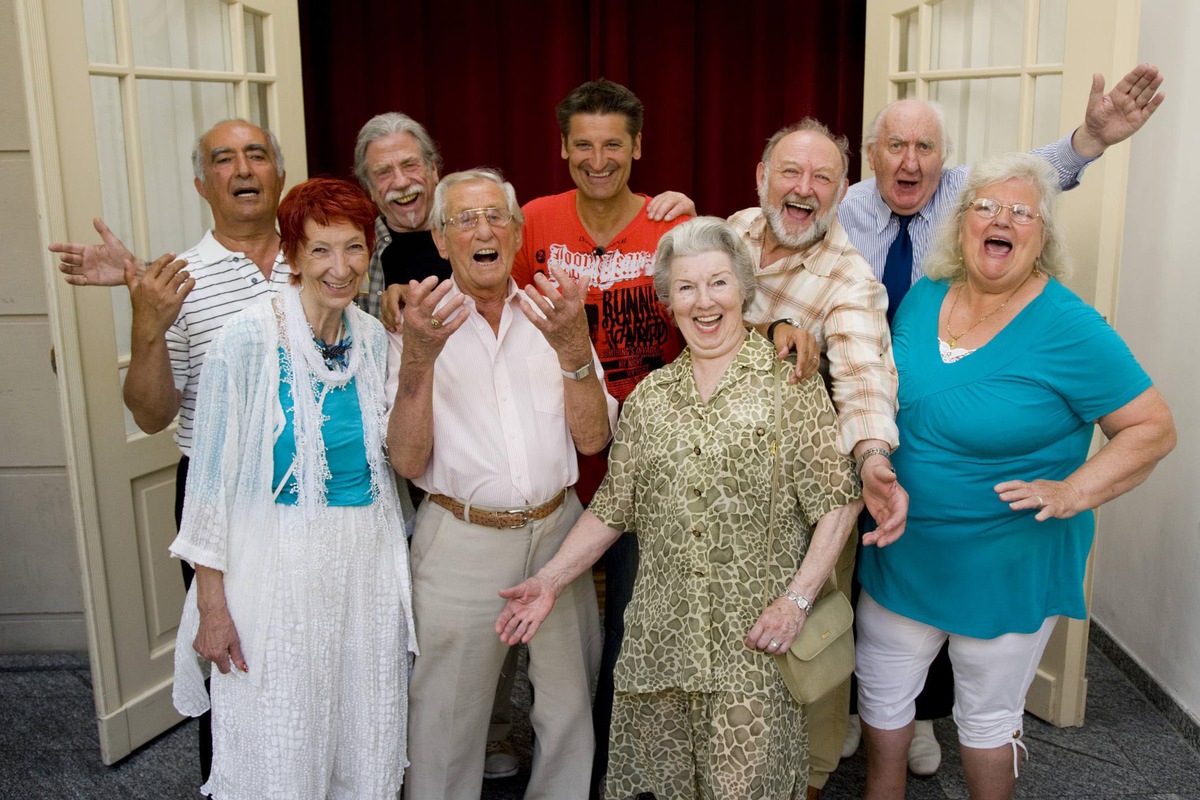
119, 90
1012, 75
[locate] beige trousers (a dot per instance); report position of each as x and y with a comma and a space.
458, 570
828, 717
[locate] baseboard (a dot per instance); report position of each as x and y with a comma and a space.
1179, 719
42, 633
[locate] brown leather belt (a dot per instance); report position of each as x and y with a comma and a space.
499, 518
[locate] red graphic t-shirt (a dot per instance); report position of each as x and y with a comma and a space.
631, 330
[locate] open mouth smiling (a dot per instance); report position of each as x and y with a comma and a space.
997, 246
799, 210
486, 256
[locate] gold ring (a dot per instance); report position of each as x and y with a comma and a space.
435, 323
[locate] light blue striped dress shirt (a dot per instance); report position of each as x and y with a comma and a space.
872, 226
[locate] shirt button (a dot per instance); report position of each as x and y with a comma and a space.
254, 280
696, 449
759, 431
697, 492
696, 533
699, 573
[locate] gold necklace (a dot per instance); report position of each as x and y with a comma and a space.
955, 337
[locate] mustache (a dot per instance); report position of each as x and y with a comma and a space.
396, 194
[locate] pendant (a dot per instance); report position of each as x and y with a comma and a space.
952, 343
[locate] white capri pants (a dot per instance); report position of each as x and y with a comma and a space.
991, 676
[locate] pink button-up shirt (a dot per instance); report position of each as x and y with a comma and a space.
500, 433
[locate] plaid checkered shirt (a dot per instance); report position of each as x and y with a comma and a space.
830, 291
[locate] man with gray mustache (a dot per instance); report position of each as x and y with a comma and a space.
398, 164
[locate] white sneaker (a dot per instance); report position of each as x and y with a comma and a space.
853, 736
501, 761
924, 754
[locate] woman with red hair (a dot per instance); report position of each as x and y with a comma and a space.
302, 598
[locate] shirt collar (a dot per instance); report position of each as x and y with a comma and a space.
383, 234
819, 258
213, 252
881, 213
756, 355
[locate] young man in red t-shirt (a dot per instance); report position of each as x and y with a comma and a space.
605, 231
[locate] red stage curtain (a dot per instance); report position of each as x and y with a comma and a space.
717, 79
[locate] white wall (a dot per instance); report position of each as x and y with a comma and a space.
41, 606
1147, 588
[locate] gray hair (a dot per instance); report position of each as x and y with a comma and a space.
945, 260
698, 236
871, 135
390, 124
811, 125
198, 157
437, 211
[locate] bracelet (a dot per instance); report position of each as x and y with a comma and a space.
801, 601
872, 451
785, 321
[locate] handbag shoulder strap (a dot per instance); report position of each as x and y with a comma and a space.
776, 448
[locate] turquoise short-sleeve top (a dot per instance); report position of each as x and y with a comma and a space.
1021, 407
349, 481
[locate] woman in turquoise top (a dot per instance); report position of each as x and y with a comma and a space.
302, 597
1004, 373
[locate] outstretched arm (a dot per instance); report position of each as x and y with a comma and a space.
1114, 117
530, 602
95, 264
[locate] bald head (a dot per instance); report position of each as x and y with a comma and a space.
906, 145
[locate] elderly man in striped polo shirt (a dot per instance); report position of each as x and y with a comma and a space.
179, 305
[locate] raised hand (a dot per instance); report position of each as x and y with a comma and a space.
157, 294
94, 264
558, 312
427, 327
1114, 117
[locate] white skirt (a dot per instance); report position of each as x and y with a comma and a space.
325, 715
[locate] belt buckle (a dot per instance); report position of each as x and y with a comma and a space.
517, 512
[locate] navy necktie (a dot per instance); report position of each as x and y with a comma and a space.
897, 269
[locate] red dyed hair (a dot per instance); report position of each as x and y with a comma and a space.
325, 201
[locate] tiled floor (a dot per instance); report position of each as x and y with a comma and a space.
48, 747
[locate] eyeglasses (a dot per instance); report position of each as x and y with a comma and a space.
988, 208
468, 220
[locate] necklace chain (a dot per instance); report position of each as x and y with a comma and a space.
955, 337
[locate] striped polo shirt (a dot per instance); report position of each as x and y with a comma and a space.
226, 283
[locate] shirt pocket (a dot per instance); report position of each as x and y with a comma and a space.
546, 383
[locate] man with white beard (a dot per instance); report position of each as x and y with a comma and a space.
811, 278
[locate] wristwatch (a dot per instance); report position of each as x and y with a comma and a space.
784, 321
580, 373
